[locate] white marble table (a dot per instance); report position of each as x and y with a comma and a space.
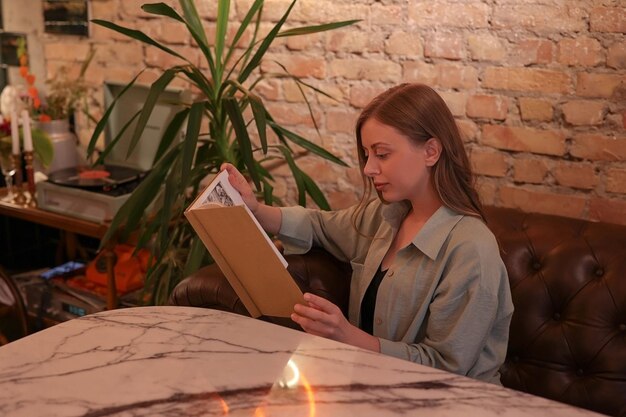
177, 361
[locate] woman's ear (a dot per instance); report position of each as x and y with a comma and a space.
432, 149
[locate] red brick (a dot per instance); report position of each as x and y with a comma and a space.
308, 42
487, 107
535, 109
297, 65
616, 55
434, 15
598, 85
607, 210
468, 129
268, 89
530, 170
158, 58
341, 121
66, 51
540, 18
524, 139
584, 112
292, 114
106, 10
362, 94
542, 201
576, 175
608, 19
583, 51
405, 44
616, 181
598, 147
348, 40
366, 69
129, 53
339, 94
527, 79
531, 51
486, 48
455, 101
488, 163
444, 76
448, 46
486, 190
386, 14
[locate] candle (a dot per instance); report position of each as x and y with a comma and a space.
28, 136
15, 134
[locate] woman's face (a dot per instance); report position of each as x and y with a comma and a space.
397, 165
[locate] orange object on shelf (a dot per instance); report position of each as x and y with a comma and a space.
129, 270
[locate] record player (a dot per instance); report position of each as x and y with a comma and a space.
96, 194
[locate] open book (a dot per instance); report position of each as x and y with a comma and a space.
250, 261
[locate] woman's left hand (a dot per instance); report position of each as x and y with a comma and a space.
320, 317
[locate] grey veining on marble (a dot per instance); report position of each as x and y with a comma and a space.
178, 361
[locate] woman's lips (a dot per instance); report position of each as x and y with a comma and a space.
380, 186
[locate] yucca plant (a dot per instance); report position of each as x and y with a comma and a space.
228, 101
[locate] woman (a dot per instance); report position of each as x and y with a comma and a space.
428, 283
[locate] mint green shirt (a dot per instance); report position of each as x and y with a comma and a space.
445, 301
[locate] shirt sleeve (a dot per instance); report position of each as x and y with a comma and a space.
461, 314
334, 231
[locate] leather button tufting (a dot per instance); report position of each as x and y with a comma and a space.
379, 321
580, 372
599, 272
536, 266
557, 316
515, 359
622, 327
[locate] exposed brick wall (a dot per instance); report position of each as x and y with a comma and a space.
538, 86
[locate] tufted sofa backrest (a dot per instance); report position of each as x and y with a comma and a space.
568, 332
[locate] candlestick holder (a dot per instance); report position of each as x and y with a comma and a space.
19, 197
30, 175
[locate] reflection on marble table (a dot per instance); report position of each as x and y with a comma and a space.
178, 361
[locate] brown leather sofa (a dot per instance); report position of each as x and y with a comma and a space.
568, 280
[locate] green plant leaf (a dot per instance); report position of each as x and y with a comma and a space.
138, 35
306, 30
297, 175
191, 140
194, 24
44, 150
268, 191
170, 133
258, 55
314, 191
300, 141
197, 252
133, 209
105, 152
258, 111
105, 118
245, 22
162, 9
156, 89
245, 146
223, 10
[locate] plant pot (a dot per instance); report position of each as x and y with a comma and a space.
64, 144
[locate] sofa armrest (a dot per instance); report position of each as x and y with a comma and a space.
317, 272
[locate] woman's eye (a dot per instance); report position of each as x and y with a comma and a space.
382, 155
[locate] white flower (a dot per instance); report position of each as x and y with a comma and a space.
10, 101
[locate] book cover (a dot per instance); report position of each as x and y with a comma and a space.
244, 252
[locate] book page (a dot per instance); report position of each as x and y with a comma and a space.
222, 193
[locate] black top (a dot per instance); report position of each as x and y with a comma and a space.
369, 302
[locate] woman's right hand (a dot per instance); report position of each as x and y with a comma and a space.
239, 182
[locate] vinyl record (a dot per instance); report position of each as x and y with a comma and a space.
101, 177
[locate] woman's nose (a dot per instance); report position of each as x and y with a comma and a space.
371, 168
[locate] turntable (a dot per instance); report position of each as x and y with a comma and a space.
96, 194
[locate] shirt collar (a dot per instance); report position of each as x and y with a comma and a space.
435, 231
